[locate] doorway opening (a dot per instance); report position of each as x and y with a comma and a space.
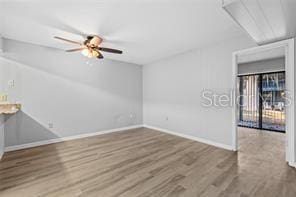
262, 101
269, 112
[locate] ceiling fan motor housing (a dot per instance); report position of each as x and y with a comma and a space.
93, 41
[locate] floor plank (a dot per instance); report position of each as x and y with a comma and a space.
144, 162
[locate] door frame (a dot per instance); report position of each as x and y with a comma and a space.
288, 45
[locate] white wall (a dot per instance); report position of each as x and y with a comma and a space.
263, 66
60, 88
172, 91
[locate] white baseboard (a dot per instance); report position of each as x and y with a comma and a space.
63, 139
52, 141
292, 164
198, 139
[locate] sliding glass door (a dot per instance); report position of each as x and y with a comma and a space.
262, 101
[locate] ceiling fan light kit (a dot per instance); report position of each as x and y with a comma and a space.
90, 54
90, 47
85, 52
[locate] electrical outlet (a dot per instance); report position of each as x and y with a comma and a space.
50, 125
167, 118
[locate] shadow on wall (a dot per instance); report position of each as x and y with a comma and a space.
60, 88
21, 128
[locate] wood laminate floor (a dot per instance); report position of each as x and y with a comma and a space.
144, 162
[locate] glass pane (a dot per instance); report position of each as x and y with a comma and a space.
273, 104
249, 101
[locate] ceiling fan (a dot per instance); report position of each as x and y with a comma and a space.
90, 47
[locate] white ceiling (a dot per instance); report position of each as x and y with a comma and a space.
265, 20
146, 30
